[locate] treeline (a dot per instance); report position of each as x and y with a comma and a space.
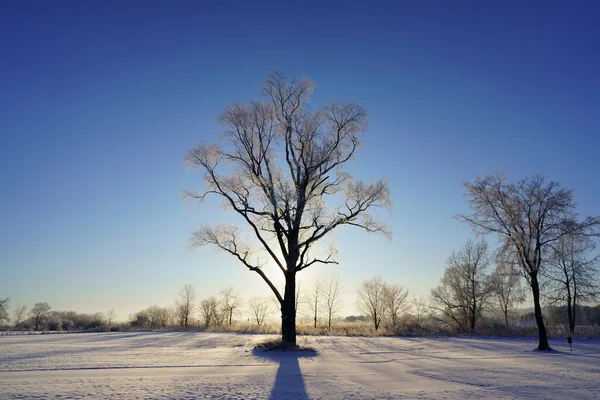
41, 317
477, 290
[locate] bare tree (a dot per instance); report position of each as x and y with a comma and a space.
19, 314
259, 307
573, 277
314, 299
211, 311
38, 313
466, 286
299, 299
528, 216
508, 289
371, 300
332, 292
230, 301
420, 307
185, 306
110, 317
4, 310
394, 297
284, 178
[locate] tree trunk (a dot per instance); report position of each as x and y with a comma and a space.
230, 315
473, 317
570, 314
288, 311
542, 336
572, 322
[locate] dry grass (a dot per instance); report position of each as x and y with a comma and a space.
406, 329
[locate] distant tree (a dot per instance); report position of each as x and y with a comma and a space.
507, 288
212, 312
19, 315
314, 299
331, 294
354, 318
528, 216
259, 307
158, 317
466, 287
140, 320
4, 310
153, 317
420, 307
299, 299
38, 314
185, 306
371, 300
572, 276
394, 297
230, 301
110, 317
282, 173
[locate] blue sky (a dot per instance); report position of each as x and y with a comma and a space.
100, 100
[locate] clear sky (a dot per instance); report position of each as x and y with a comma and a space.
99, 101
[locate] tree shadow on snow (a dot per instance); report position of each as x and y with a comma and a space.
289, 382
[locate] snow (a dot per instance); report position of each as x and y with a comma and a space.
190, 365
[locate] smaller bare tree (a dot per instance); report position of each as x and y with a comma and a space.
4, 310
332, 298
314, 299
420, 307
211, 311
508, 290
110, 317
158, 317
38, 313
466, 287
371, 300
394, 297
185, 307
19, 315
572, 275
259, 307
230, 301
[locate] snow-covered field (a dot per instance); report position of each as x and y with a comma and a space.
160, 365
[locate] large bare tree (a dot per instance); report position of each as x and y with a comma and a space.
573, 277
528, 216
466, 287
281, 170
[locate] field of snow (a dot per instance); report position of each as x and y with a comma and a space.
163, 365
